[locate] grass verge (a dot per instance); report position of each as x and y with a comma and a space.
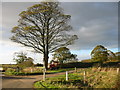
94, 78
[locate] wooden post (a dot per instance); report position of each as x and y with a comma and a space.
75, 69
31, 70
84, 76
17, 69
44, 76
110, 69
66, 75
117, 70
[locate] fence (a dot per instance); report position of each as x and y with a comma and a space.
85, 72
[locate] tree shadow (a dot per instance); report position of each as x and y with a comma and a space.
43, 85
11, 77
76, 83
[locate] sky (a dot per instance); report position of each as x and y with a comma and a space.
95, 23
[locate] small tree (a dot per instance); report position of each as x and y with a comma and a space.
71, 58
63, 55
99, 54
21, 57
28, 63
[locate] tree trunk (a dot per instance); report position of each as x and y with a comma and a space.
46, 61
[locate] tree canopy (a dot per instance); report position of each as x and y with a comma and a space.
63, 55
117, 54
99, 54
44, 28
21, 57
111, 55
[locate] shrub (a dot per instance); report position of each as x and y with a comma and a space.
10, 71
25, 64
96, 65
87, 60
39, 64
77, 64
32, 69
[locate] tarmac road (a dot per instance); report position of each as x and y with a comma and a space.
19, 81
23, 81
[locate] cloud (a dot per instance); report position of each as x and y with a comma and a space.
94, 23
61, 0
10, 16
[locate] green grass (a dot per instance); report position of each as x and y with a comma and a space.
59, 70
95, 78
22, 73
11, 71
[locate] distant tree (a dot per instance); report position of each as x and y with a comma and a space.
99, 54
20, 57
72, 58
29, 59
111, 55
43, 27
117, 54
63, 55
27, 63
39, 64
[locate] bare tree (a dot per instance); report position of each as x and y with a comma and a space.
43, 27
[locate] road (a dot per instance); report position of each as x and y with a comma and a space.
23, 81
19, 81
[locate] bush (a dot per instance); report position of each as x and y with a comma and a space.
27, 71
96, 64
111, 64
87, 60
90, 64
25, 64
39, 64
32, 69
6, 66
10, 71
77, 65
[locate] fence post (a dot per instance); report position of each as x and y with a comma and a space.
31, 70
117, 70
110, 69
44, 76
75, 69
84, 76
66, 75
17, 69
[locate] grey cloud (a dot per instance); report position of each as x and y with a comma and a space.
84, 12
94, 23
10, 16
91, 35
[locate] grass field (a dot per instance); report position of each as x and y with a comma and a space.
94, 78
59, 70
33, 71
